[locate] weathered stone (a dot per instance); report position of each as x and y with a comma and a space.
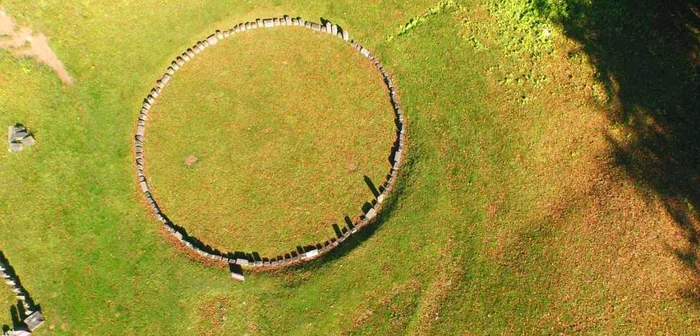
276, 22
371, 214
150, 99
179, 61
170, 71
16, 147
165, 79
302, 22
315, 26
190, 53
364, 52
19, 135
219, 34
295, 22
242, 27
34, 320
10, 133
380, 198
329, 27
268, 23
310, 254
174, 65
346, 35
242, 262
140, 130
287, 20
204, 44
259, 23
28, 141
307, 25
226, 33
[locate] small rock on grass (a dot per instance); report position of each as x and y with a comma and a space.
190, 160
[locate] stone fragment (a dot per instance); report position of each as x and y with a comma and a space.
19, 135
16, 147
371, 214
190, 160
364, 52
28, 141
310, 254
34, 320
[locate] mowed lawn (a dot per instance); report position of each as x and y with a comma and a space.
285, 125
511, 216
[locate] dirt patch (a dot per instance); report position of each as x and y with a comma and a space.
23, 42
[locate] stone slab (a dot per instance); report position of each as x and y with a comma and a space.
28, 141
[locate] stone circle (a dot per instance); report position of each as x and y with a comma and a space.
251, 260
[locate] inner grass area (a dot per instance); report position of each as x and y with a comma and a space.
286, 124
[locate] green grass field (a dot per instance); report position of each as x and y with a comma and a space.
532, 200
285, 124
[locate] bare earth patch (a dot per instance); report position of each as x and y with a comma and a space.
22, 42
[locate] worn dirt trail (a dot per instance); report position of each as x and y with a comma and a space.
23, 42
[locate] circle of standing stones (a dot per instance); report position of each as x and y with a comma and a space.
252, 260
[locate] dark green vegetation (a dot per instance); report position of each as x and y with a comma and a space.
285, 125
551, 185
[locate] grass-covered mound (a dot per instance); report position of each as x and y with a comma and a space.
284, 125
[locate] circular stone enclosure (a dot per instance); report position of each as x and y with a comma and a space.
270, 146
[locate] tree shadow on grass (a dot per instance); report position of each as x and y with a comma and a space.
647, 53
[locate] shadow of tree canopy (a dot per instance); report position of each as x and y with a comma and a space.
647, 54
